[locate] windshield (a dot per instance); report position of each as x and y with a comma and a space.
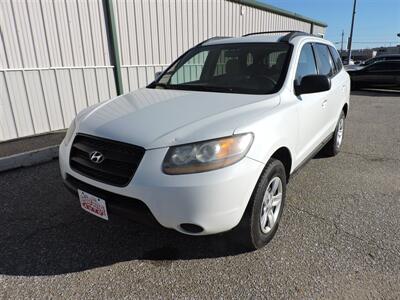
234, 68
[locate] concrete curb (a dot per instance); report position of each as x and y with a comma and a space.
29, 158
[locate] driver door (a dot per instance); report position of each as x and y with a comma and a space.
311, 107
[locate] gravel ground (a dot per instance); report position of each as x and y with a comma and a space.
339, 236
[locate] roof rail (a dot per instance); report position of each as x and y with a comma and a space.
265, 32
212, 39
286, 38
292, 35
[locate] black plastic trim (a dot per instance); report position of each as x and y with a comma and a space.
121, 164
291, 34
118, 205
312, 154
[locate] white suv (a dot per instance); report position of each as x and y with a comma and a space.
209, 146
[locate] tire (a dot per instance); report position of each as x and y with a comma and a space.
332, 148
249, 233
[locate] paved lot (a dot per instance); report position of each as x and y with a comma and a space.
339, 235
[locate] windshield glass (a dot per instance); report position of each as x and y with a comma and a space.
233, 68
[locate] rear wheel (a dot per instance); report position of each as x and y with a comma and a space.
264, 211
333, 147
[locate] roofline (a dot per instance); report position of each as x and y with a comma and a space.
279, 11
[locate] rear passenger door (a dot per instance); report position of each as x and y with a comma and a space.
341, 79
332, 103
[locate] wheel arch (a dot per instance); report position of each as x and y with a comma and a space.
285, 157
345, 109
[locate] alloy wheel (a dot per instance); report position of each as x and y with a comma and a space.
271, 205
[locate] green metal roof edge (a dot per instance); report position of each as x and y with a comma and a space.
279, 11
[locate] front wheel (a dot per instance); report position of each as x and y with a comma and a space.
264, 211
333, 147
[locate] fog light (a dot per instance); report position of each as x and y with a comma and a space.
191, 228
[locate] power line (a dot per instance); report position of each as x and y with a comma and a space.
381, 42
389, 42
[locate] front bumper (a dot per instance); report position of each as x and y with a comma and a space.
214, 200
117, 205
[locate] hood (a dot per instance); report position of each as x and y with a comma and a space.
154, 118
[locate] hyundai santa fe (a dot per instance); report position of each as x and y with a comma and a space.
209, 146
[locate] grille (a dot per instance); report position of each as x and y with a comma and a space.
120, 160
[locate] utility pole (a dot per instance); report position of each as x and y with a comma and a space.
341, 47
351, 31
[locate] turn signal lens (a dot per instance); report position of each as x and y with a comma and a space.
207, 155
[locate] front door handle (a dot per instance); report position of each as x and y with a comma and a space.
324, 103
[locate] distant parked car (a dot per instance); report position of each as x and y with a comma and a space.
380, 74
360, 65
380, 58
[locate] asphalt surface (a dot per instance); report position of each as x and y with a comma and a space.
339, 236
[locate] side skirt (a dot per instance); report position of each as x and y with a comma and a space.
312, 154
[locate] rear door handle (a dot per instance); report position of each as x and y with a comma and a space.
324, 103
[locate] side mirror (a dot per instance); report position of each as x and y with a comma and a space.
313, 84
157, 74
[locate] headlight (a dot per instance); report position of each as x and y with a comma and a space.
70, 132
207, 155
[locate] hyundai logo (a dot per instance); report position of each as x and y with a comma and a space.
96, 157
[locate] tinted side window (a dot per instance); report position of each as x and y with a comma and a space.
378, 66
306, 65
336, 58
324, 60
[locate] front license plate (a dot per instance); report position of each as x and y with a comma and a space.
93, 204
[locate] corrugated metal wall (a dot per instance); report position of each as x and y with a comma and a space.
319, 30
55, 60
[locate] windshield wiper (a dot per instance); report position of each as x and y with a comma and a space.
158, 84
209, 88
205, 88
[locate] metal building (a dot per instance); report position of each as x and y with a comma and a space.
60, 56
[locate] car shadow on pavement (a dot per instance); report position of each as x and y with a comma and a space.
45, 232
